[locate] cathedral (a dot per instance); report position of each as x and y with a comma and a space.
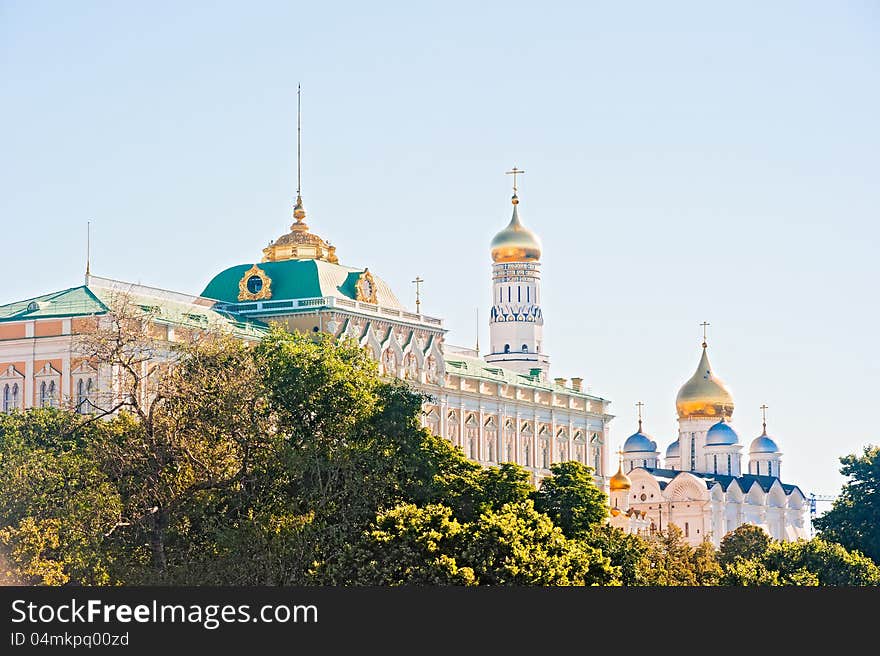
702, 488
501, 406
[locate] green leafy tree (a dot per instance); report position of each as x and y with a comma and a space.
519, 546
745, 542
747, 572
626, 551
831, 564
57, 508
854, 518
409, 545
669, 560
704, 563
507, 483
570, 498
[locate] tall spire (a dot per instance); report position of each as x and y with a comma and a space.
88, 250
298, 212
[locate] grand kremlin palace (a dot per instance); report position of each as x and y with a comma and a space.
502, 406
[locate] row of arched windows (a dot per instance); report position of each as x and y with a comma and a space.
48, 395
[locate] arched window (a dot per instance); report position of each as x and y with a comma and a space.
52, 394
729, 466
758, 468
7, 399
770, 468
693, 453
44, 401
14, 395
80, 396
507, 348
525, 348
715, 462
687, 531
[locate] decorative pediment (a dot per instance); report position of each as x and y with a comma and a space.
47, 370
686, 487
11, 373
255, 285
84, 368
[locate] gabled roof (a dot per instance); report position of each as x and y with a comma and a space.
72, 302
745, 481
463, 365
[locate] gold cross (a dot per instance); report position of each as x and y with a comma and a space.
639, 405
705, 325
418, 281
764, 416
514, 172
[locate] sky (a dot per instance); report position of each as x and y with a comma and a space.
685, 162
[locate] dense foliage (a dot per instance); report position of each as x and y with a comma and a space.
854, 519
292, 462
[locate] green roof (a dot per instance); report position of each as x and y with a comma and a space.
168, 310
463, 365
72, 302
166, 307
296, 279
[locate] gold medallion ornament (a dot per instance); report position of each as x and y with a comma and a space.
255, 285
365, 288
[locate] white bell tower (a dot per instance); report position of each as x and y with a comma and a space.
516, 322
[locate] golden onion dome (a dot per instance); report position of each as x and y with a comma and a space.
619, 481
704, 394
516, 243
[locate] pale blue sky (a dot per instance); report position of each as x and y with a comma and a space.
684, 163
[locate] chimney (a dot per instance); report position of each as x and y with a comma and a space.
560, 381
576, 383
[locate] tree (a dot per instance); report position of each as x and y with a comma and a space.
830, 563
704, 563
626, 551
57, 508
748, 572
745, 542
854, 518
668, 561
571, 499
507, 483
519, 546
409, 545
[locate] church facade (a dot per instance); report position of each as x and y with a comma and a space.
701, 487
